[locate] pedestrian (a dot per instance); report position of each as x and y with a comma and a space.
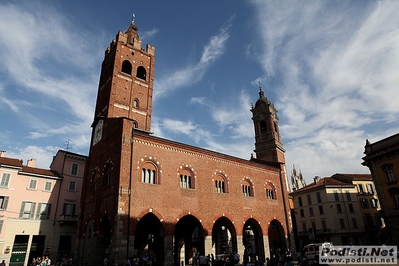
3, 263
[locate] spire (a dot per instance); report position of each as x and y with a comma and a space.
133, 28
261, 93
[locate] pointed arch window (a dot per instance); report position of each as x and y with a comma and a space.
127, 67
141, 73
271, 192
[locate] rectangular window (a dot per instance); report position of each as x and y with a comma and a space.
360, 189
27, 210
351, 209
47, 186
336, 196
74, 169
389, 174
374, 203
321, 210
342, 223
314, 225
364, 203
5, 179
69, 209
3, 202
354, 223
219, 185
300, 201
339, 210
309, 199
370, 189
304, 229
33, 184
318, 197
323, 224
43, 211
72, 185
348, 195
1, 225
311, 211
302, 213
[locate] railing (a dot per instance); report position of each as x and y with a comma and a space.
68, 218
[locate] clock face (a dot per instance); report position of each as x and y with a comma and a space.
98, 132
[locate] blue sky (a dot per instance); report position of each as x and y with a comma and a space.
330, 67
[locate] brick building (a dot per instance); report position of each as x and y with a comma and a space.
147, 195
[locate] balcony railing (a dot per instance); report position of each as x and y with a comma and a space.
68, 218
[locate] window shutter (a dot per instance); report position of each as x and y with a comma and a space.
64, 209
5, 203
73, 209
48, 210
32, 210
39, 208
21, 213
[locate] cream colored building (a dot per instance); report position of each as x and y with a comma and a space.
369, 206
328, 210
39, 207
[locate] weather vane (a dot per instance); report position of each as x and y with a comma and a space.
133, 18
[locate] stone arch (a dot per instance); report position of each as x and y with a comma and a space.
224, 236
252, 237
189, 238
149, 237
276, 235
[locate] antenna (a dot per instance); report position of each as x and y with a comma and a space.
68, 142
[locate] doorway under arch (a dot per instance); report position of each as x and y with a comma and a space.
189, 238
149, 237
253, 241
276, 236
224, 236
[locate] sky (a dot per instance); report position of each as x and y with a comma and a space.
331, 68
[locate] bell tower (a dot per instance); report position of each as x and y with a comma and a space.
126, 81
268, 145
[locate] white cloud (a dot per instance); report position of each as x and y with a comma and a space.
193, 73
148, 34
334, 68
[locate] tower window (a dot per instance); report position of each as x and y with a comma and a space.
141, 73
127, 67
263, 126
136, 103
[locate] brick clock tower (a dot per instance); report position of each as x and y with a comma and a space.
145, 195
126, 81
268, 145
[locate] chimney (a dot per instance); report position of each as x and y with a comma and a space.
2, 153
316, 179
31, 163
